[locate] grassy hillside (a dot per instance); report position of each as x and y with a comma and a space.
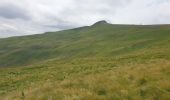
99, 62
99, 40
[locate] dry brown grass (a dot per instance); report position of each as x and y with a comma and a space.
132, 81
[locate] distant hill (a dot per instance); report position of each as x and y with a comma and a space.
98, 40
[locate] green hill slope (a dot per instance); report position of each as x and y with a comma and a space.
98, 40
98, 62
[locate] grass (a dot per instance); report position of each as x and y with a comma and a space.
102, 62
99, 80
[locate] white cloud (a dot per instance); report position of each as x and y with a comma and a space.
21, 17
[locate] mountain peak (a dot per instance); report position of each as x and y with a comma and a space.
100, 22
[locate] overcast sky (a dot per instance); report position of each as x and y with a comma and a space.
23, 17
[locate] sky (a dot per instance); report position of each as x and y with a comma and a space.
25, 17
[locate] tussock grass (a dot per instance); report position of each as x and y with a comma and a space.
133, 80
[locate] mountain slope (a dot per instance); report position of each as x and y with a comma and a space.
112, 40
98, 62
